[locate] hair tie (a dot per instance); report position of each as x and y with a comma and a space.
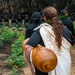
49, 21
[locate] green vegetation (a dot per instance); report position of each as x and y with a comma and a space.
15, 37
16, 58
74, 26
7, 34
14, 71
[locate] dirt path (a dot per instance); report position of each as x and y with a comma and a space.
4, 70
73, 60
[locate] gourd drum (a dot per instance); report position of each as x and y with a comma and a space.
43, 58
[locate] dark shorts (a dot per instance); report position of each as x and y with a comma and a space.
39, 72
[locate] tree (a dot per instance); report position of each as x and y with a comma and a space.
20, 6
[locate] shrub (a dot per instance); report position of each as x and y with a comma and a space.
7, 34
16, 58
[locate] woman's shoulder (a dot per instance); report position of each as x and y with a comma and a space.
37, 30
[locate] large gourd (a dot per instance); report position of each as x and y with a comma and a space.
44, 59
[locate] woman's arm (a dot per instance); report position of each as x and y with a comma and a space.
27, 51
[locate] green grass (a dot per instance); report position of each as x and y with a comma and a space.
74, 26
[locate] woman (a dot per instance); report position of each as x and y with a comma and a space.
66, 20
53, 35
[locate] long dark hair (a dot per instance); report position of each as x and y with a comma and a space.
51, 14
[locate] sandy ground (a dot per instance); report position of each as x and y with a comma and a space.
73, 60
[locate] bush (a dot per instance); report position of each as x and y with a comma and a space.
7, 34
16, 58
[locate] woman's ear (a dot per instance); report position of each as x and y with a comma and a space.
45, 19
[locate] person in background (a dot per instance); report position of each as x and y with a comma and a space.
53, 35
6, 21
19, 21
66, 20
26, 21
35, 17
13, 21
